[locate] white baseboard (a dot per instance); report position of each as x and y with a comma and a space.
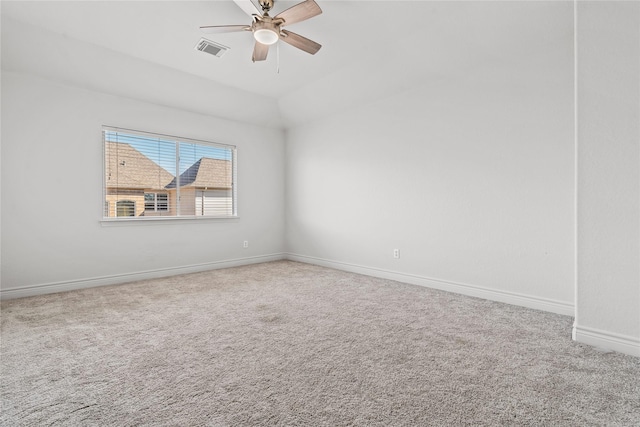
48, 288
607, 340
522, 300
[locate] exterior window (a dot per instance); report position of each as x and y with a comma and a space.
125, 208
148, 175
162, 202
156, 202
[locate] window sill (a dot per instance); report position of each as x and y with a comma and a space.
123, 221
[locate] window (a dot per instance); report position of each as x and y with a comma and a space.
149, 175
156, 202
125, 208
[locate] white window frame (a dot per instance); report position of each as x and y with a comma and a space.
128, 219
155, 201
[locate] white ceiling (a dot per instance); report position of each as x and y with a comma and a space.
370, 48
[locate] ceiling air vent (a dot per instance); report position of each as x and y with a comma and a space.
211, 48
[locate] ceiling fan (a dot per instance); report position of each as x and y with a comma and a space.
267, 30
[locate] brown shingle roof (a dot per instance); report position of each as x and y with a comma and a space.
126, 167
207, 173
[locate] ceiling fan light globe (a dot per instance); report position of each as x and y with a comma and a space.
265, 36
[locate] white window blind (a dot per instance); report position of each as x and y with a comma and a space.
148, 175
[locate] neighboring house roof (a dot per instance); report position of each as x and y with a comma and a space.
126, 167
206, 173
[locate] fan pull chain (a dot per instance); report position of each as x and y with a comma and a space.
278, 57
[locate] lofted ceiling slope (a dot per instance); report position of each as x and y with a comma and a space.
371, 49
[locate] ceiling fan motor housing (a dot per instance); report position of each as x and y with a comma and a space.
267, 23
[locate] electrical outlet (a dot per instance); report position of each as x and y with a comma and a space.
245, 244
396, 253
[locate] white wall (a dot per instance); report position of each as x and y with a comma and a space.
82, 64
608, 190
471, 178
52, 191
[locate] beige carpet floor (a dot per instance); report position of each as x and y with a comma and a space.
292, 344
